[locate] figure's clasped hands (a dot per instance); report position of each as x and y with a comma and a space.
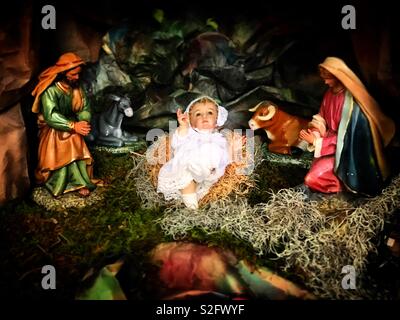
82, 127
307, 135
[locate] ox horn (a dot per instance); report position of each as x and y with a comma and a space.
271, 113
255, 108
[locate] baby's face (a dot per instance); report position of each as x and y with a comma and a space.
203, 115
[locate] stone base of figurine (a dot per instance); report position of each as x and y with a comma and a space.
302, 161
44, 198
139, 145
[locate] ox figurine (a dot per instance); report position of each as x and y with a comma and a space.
107, 126
282, 128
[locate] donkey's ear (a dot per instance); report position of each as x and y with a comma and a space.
114, 97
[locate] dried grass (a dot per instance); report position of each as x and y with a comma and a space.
306, 236
313, 238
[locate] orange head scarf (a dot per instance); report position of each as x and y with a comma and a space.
66, 62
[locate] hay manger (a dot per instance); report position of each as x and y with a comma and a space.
234, 182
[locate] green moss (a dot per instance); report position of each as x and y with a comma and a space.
77, 240
275, 176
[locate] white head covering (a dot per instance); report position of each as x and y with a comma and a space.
222, 112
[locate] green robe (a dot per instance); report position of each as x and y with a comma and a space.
56, 108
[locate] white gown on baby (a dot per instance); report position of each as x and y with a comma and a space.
198, 156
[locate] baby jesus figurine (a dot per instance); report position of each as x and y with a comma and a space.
199, 153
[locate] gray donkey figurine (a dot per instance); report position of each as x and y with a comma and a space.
106, 127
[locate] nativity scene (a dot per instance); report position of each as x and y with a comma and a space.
195, 154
